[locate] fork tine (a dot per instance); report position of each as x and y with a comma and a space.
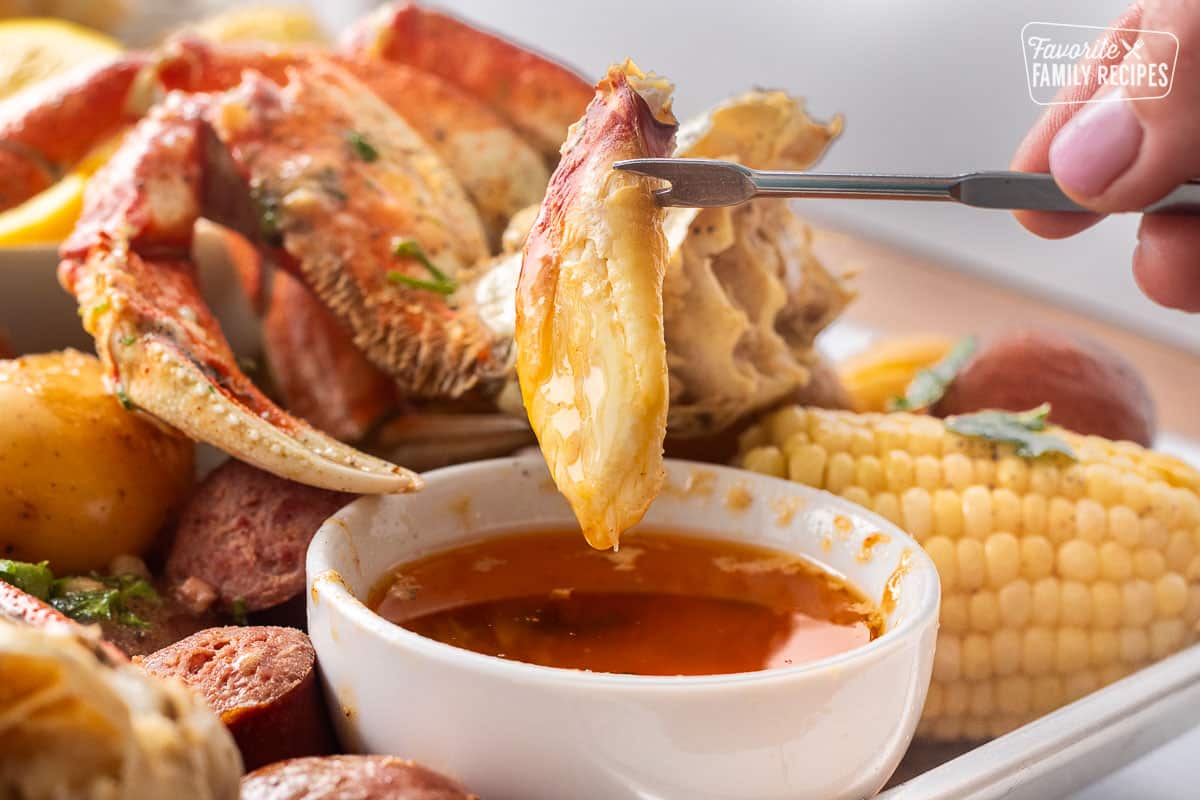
695, 182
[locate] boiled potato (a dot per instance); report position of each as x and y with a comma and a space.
81, 479
1090, 387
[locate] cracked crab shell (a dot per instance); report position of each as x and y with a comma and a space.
591, 354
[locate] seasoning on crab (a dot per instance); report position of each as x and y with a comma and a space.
1059, 574
591, 352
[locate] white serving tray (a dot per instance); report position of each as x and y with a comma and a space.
1054, 756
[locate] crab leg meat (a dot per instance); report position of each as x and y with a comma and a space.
126, 264
537, 96
591, 354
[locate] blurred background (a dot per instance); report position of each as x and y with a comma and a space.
926, 86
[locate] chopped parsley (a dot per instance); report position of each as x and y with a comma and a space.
126, 403
1025, 429
928, 386
268, 215
128, 339
239, 611
361, 147
440, 282
93, 598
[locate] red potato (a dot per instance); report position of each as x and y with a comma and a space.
261, 681
244, 533
1091, 388
350, 778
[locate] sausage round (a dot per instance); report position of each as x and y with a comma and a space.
261, 681
350, 778
244, 532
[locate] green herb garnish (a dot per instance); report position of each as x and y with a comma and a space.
928, 386
128, 339
268, 215
239, 610
1023, 429
361, 147
103, 598
123, 398
409, 248
34, 579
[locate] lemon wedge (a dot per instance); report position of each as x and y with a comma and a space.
33, 49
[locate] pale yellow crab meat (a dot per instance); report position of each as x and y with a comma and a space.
591, 354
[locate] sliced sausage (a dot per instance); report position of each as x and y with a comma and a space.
261, 681
167, 621
244, 532
350, 778
20, 606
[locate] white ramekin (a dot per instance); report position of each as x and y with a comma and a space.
835, 728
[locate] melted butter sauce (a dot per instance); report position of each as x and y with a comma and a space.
666, 604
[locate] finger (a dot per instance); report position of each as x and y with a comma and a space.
1033, 154
1166, 263
1128, 147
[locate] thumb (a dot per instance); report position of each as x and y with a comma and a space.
1128, 148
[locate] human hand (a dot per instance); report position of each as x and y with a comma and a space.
1123, 155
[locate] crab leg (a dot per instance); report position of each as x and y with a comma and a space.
50, 126
499, 170
591, 354
537, 96
126, 264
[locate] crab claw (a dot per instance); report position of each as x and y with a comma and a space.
164, 352
591, 353
538, 97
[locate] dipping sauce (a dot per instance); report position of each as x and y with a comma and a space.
665, 604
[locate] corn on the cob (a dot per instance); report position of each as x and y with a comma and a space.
1058, 576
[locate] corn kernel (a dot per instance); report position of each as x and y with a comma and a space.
1060, 520
972, 564
947, 513
887, 505
1006, 652
828, 432
857, 495
1166, 636
947, 658
975, 729
754, 436
1034, 514
1072, 482
984, 611
1106, 605
925, 436
1112, 673
985, 471
1090, 520
1123, 526
1075, 604
890, 436
899, 471
976, 657
766, 460
956, 614
1038, 651
1153, 532
1191, 614
982, 700
957, 471
947, 729
1149, 565
1006, 511
1103, 484
1014, 695
1170, 595
806, 464
1012, 473
1105, 647
1043, 478
1115, 562
977, 512
1137, 603
1048, 693
785, 422
944, 555
1080, 684
928, 472
1037, 557
1078, 560
1135, 645
839, 473
1006, 723
1072, 650
1046, 597
1135, 494
862, 443
933, 701
1180, 551
957, 699
1016, 603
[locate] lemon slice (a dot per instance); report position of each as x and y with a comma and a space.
33, 49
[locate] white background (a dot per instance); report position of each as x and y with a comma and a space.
933, 86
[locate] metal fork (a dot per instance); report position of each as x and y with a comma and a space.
705, 183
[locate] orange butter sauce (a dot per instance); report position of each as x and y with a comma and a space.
665, 604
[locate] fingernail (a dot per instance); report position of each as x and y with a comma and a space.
1095, 147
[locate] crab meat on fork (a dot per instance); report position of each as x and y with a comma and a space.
591, 352
342, 189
